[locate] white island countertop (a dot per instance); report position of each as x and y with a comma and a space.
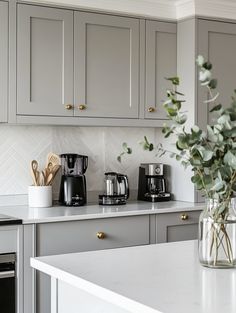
163, 278
61, 213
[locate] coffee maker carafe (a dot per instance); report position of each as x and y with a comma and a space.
116, 189
73, 181
152, 184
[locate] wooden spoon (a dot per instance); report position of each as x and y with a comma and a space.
34, 172
52, 174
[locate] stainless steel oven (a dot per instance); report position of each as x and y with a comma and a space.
7, 283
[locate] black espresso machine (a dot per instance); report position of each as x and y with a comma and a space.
73, 182
151, 183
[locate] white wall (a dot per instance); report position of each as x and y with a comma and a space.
20, 144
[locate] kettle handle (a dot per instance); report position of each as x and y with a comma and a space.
85, 163
126, 185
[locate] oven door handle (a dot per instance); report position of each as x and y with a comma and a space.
7, 274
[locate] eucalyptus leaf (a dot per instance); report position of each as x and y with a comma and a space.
230, 159
216, 108
174, 80
207, 65
205, 76
213, 83
223, 119
200, 60
218, 185
210, 134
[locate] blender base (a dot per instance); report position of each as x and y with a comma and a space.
112, 200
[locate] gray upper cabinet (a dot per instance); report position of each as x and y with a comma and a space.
106, 60
91, 69
217, 42
44, 61
3, 60
160, 63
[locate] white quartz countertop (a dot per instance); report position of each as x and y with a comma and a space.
163, 278
62, 213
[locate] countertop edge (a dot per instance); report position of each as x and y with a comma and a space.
91, 288
93, 211
107, 215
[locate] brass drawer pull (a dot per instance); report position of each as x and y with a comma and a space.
151, 109
69, 106
184, 217
82, 107
101, 235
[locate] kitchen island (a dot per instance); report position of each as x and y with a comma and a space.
163, 278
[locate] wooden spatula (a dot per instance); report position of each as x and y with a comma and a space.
53, 158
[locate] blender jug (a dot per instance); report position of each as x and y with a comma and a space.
74, 164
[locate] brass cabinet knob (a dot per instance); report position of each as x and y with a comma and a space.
69, 106
101, 235
184, 217
82, 107
151, 109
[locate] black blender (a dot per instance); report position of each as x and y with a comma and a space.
73, 181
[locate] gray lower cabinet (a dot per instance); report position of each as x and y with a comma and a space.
44, 61
161, 59
177, 226
3, 61
96, 234
217, 42
106, 59
77, 236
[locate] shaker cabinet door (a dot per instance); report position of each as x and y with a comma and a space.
217, 42
177, 226
44, 61
161, 56
3, 60
106, 59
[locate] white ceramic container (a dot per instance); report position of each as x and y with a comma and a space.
40, 196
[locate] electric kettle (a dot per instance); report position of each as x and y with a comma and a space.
116, 189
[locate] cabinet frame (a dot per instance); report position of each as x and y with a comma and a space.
3, 62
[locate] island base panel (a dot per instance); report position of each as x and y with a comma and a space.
67, 298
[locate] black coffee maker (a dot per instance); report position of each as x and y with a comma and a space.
73, 181
151, 183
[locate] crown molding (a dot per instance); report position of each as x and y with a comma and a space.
210, 8
163, 9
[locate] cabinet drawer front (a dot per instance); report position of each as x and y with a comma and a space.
76, 236
8, 240
180, 218
177, 226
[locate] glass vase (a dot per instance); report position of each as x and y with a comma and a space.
217, 234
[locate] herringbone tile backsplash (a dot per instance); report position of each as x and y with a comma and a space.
21, 144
